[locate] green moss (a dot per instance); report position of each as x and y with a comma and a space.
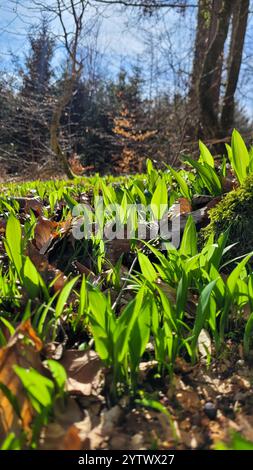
235, 211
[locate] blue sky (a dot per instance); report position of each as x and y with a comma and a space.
123, 45
114, 37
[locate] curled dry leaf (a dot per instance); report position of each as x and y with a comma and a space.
35, 204
22, 349
48, 271
44, 233
85, 372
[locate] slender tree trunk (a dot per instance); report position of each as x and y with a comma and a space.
208, 109
201, 45
217, 73
207, 24
239, 26
55, 126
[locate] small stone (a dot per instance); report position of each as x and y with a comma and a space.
240, 363
210, 410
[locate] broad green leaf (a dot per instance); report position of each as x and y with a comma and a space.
182, 293
205, 154
8, 325
189, 241
208, 176
181, 182
98, 306
201, 315
39, 387
11, 442
58, 372
147, 268
149, 166
31, 279
125, 324
63, 297
70, 200
159, 201
13, 242
229, 152
240, 156
233, 277
140, 334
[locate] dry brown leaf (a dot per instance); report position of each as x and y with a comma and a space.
29, 203
44, 233
115, 248
33, 204
39, 260
48, 272
2, 225
185, 205
56, 437
23, 350
60, 279
183, 367
84, 370
100, 434
88, 273
62, 434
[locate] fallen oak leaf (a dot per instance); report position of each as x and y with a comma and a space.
85, 372
22, 349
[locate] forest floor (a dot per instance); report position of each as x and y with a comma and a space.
202, 404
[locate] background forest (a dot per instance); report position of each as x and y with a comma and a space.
69, 103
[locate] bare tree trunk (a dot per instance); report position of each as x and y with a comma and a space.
208, 110
217, 73
239, 26
72, 42
55, 127
207, 24
201, 45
